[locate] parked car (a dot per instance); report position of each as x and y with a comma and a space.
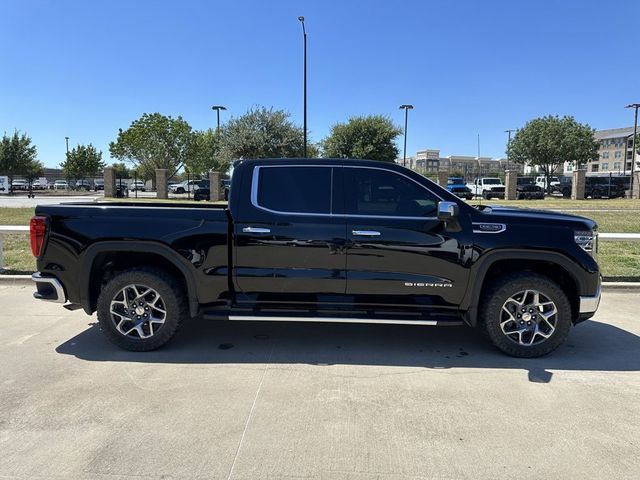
226, 186
137, 185
19, 185
39, 184
457, 186
184, 187
541, 181
526, 189
563, 187
122, 191
203, 192
98, 185
336, 241
60, 185
605, 186
487, 187
82, 185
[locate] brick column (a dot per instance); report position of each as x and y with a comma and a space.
214, 186
109, 182
510, 182
636, 185
443, 176
577, 184
161, 183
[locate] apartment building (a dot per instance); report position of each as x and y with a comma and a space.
429, 162
615, 153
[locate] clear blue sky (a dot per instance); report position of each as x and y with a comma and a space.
84, 69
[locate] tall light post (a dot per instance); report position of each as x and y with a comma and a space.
509, 146
217, 108
66, 139
406, 109
304, 35
635, 147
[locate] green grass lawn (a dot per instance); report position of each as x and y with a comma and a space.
618, 260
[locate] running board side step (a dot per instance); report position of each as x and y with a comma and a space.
320, 319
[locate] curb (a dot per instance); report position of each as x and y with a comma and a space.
606, 286
620, 286
16, 280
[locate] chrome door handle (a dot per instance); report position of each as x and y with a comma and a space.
256, 230
366, 233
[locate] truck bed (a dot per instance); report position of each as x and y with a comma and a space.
79, 233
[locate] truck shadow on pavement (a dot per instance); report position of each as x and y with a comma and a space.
591, 346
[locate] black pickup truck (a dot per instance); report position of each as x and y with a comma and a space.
321, 241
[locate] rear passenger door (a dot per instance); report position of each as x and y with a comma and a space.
289, 245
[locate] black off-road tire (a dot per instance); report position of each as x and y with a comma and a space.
173, 298
501, 290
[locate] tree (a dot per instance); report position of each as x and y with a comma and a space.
83, 161
121, 171
203, 152
550, 141
260, 133
153, 141
18, 157
370, 137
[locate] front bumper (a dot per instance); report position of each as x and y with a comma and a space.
589, 304
50, 289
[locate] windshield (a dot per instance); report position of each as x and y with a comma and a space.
492, 181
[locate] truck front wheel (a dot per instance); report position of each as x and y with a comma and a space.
526, 315
140, 309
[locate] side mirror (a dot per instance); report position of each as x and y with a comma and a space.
447, 211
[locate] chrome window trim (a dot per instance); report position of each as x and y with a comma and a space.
503, 227
254, 194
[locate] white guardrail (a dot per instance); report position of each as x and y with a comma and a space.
605, 237
6, 229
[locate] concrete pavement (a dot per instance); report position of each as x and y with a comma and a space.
253, 401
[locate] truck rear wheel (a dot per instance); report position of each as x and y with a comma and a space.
140, 309
526, 315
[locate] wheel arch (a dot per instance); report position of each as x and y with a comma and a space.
567, 275
137, 254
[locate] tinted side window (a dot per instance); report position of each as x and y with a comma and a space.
379, 192
295, 189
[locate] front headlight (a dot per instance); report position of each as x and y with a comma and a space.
587, 240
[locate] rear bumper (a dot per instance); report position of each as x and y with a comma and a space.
49, 289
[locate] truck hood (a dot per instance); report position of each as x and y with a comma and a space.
539, 217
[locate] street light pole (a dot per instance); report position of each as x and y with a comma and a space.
304, 34
217, 108
633, 152
66, 139
406, 109
509, 146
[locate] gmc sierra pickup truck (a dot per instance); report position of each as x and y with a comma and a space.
321, 241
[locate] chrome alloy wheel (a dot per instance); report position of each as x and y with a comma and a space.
138, 311
528, 318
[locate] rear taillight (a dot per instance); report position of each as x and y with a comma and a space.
37, 231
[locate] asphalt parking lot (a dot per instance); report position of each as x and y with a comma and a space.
253, 401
